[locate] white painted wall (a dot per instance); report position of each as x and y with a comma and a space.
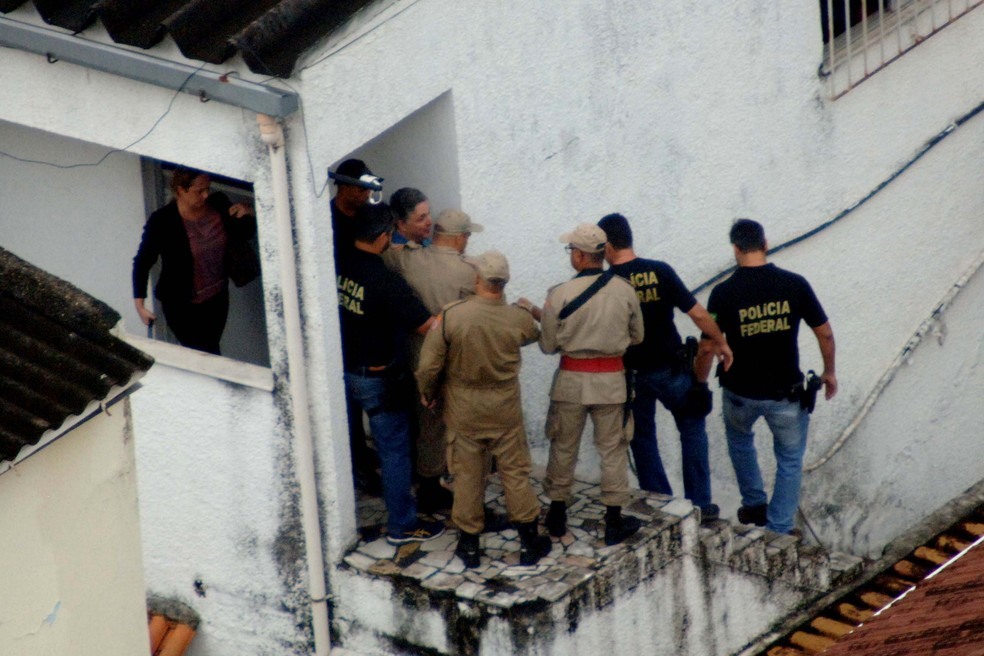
681, 117
219, 507
71, 539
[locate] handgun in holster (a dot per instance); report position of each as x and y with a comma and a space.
690, 349
683, 357
698, 401
811, 386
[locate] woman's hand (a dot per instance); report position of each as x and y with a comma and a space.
145, 315
239, 210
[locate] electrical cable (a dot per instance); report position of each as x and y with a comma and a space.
170, 105
929, 145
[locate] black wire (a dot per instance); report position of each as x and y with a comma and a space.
929, 145
180, 89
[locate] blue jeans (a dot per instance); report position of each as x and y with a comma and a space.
669, 388
384, 400
789, 423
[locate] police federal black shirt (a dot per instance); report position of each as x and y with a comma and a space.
377, 309
659, 290
759, 310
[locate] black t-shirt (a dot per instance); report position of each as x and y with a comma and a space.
659, 290
377, 309
759, 310
343, 230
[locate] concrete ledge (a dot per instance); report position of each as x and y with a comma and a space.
578, 558
694, 588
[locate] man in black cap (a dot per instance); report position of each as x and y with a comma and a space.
377, 309
353, 183
352, 193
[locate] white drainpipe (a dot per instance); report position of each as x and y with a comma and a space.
273, 136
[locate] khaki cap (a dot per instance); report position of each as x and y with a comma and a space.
455, 222
490, 265
586, 237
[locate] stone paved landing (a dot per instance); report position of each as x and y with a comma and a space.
500, 580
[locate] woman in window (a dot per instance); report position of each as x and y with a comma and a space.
201, 239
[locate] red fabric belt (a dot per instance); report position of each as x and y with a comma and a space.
592, 365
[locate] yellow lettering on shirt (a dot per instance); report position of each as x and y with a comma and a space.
764, 326
645, 283
350, 294
763, 310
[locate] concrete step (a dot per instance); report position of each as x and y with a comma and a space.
775, 556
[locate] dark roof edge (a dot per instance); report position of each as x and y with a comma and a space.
55, 298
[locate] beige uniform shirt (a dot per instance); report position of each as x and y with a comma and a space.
476, 345
605, 326
439, 274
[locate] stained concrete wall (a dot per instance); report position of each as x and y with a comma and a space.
686, 591
218, 497
73, 583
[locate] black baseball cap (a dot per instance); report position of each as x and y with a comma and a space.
351, 171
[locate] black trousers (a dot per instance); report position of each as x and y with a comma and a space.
199, 325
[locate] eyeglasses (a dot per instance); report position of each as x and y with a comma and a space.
569, 248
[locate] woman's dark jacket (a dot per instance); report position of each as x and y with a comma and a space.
164, 237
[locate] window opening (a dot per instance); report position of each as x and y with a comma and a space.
863, 36
245, 334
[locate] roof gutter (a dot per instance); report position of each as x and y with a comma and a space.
221, 87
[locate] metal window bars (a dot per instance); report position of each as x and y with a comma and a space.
876, 40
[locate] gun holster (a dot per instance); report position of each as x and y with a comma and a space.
808, 396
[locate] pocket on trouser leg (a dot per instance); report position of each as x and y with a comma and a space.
628, 429
552, 426
447, 480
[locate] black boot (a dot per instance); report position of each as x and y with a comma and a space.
495, 522
617, 527
432, 497
753, 515
533, 546
557, 519
469, 550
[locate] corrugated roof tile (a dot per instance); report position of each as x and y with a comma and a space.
271, 35
57, 353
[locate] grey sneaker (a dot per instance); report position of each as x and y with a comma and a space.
423, 532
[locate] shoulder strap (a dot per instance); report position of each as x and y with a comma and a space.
586, 295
